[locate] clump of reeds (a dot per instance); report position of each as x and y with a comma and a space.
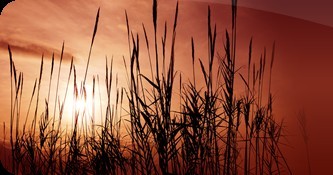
215, 130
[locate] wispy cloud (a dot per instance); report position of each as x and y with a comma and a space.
33, 49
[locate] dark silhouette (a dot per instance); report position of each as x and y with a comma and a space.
3, 170
4, 3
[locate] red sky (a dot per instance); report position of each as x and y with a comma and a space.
319, 11
302, 77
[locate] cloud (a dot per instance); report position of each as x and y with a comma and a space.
32, 49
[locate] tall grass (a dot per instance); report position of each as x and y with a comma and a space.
214, 131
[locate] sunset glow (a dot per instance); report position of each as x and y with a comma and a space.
140, 69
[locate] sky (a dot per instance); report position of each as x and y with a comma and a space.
302, 30
318, 11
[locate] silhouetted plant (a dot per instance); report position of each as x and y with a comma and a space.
215, 130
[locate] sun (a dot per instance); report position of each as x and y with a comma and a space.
83, 102
81, 106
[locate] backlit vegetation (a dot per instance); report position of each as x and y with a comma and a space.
209, 130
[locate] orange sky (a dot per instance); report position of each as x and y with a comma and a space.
302, 77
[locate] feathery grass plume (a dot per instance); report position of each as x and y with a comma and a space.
57, 87
33, 126
128, 33
11, 105
91, 44
50, 82
155, 40
148, 49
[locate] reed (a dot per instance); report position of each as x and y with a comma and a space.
214, 131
